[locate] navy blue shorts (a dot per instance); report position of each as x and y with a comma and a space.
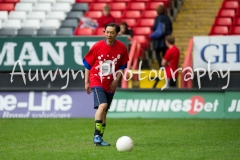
101, 96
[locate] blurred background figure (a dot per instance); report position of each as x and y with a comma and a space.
106, 17
170, 61
124, 30
159, 44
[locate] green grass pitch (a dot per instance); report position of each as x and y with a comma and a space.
155, 139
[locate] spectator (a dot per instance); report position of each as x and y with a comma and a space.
159, 44
106, 17
124, 30
170, 60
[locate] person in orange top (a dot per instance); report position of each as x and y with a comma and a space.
106, 17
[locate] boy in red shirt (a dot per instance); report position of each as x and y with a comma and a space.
170, 60
106, 17
102, 65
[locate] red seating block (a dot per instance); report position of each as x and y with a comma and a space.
149, 14
132, 14
83, 32
146, 22
236, 21
84, 1
7, 7
219, 30
122, 0
136, 6
223, 22
104, 1
235, 30
153, 5
142, 31
141, 0
130, 22
11, 1
116, 14
238, 13
93, 14
97, 6
120, 6
226, 13
100, 31
230, 5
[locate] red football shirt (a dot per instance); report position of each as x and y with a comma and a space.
103, 61
104, 20
172, 57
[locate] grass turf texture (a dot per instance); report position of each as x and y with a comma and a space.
154, 139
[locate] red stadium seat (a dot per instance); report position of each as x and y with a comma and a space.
132, 14
153, 5
83, 32
146, 22
120, 6
166, 2
6, 7
136, 6
97, 6
146, 31
104, 1
238, 13
84, 1
226, 13
219, 30
149, 14
100, 31
223, 22
11, 1
230, 5
142, 0
116, 14
122, 0
130, 22
235, 30
93, 14
236, 21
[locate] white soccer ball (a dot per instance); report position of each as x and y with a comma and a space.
124, 143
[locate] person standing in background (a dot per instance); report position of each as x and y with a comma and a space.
171, 60
159, 44
106, 17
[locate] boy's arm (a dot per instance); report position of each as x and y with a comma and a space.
87, 85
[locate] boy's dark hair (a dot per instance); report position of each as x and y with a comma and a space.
170, 39
117, 28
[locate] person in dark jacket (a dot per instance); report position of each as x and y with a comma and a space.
159, 44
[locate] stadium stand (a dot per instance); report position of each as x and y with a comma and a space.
64, 15
227, 20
